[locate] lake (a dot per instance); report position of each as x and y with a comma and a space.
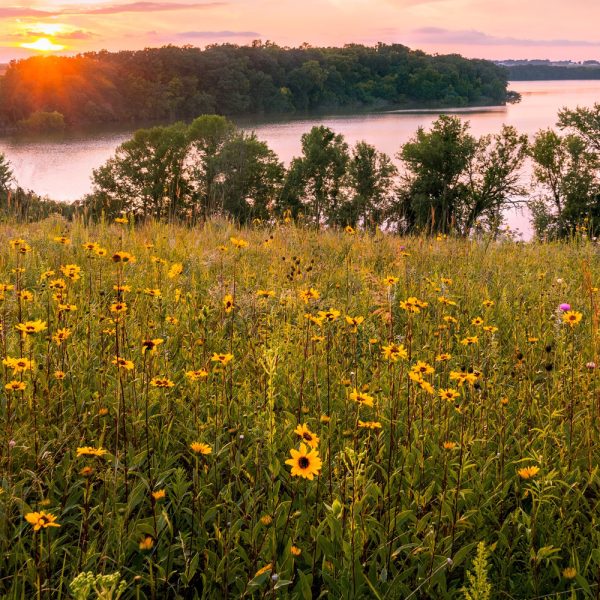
61, 167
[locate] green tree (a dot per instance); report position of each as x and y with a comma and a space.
207, 136
370, 181
493, 179
434, 192
315, 181
566, 177
583, 121
146, 176
251, 179
6, 174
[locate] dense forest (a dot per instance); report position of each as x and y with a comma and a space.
550, 72
172, 82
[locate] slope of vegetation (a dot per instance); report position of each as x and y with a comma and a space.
172, 82
281, 412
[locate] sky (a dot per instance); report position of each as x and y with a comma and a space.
553, 29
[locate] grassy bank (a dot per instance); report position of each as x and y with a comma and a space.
167, 376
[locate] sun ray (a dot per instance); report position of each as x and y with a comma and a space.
43, 45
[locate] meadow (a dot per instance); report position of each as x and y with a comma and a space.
278, 412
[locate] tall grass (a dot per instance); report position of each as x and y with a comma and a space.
407, 487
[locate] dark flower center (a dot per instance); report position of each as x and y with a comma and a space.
303, 462
307, 436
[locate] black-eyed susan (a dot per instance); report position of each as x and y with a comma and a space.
18, 365
15, 386
41, 520
162, 382
200, 448
572, 317
228, 303
369, 424
222, 359
361, 398
91, 451
123, 363
150, 346
197, 375
309, 294
528, 472
307, 435
30, 327
448, 394
394, 352
305, 463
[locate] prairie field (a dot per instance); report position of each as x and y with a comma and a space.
280, 412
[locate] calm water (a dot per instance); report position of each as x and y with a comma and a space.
61, 168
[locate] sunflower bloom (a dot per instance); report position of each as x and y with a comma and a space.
307, 435
305, 463
41, 520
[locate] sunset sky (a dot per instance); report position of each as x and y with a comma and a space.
553, 29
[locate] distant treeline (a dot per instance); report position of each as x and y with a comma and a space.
548, 72
172, 82
449, 181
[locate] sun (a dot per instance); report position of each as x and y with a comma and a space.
43, 45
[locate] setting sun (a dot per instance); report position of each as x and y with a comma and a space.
43, 45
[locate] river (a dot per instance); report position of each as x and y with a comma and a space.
60, 167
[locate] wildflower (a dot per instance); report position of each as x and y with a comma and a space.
444, 357
477, 321
305, 463
102, 412
15, 386
121, 220
266, 519
450, 319
448, 394
72, 272
18, 365
413, 305
569, 573
350, 230
361, 398
59, 375
423, 368
153, 292
329, 315
488, 303
86, 471
223, 359
572, 317
196, 375
175, 270
295, 551
528, 472
101, 251
446, 301
422, 383
469, 341
61, 239
147, 543
122, 257
369, 424
228, 303
41, 520
390, 280
325, 419
151, 345
465, 377
172, 320
118, 307
265, 293
354, 322
30, 327
446, 281
238, 242
309, 294
393, 352
61, 335
67, 307
90, 246
449, 445
161, 382
159, 495
200, 448
490, 328
307, 435
123, 363
25, 295
564, 307
89, 451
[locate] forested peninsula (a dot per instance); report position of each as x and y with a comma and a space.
168, 83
